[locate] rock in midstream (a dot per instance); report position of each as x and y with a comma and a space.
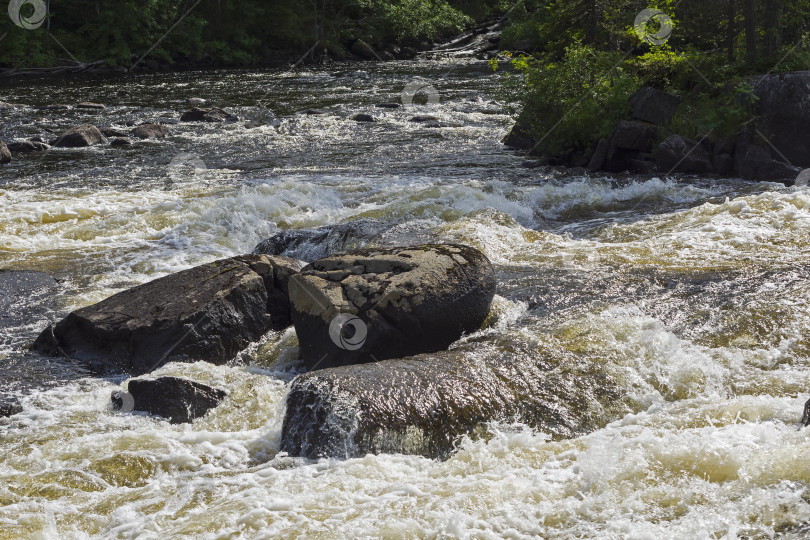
178, 400
424, 404
375, 304
209, 313
312, 244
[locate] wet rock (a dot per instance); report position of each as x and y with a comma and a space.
654, 106
178, 400
150, 131
424, 118
784, 114
363, 118
80, 136
195, 101
208, 313
9, 408
24, 297
536, 163
89, 105
214, 114
424, 404
520, 136
112, 132
52, 107
121, 141
5, 106
806, 414
5, 154
757, 164
388, 105
312, 244
314, 112
677, 154
375, 304
363, 50
27, 146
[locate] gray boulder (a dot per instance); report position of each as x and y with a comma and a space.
783, 108
424, 404
209, 313
312, 244
654, 106
757, 164
178, 400
375, 304
676, 154
363, 50
80, 136
150, 131
5, 154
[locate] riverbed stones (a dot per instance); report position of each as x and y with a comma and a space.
178, 400
208, 313
80, 136
375, 304
5, 154
150, 131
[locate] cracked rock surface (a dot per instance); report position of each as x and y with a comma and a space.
209, 313
391, 302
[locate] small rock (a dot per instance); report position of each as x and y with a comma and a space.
214, 114
150, 131
80, 136
425, 118
112, 132
388, 105
314, 112
363, 118
53, 107
178, 400
27, 146
5, 154
121, 141
89, 105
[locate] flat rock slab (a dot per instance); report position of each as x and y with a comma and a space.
178, 400
375, 304
424, 404
207, 313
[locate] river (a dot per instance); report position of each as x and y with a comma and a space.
683, 301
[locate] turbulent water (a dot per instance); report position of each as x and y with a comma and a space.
686, 299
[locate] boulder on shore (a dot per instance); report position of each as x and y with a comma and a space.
363, 50
783, 108
676, 154
654, 106
178, 400
424, 404
375, 304
209, 313
80, 136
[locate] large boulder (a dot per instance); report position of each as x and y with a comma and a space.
209, 313
312, 244
638, 136
783, 108
178, 400
676, 154
80, 136
520, 136
424, 404
214, 114
654, 106
375, 304
756, 163
150, 131
5, 153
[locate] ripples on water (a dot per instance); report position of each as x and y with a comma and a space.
688, 296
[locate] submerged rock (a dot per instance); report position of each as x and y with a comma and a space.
208, 313
28, 146
178, 400
9, 408
80, 136
313, 244
5, 153
375, 304
213, 114
425, 403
